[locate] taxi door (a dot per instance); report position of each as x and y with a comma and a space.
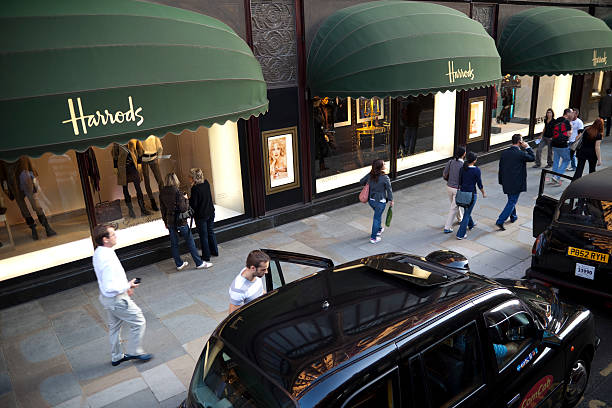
294, 263
546, 203
526, 373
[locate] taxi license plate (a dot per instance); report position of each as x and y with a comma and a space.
586, 254
585, 271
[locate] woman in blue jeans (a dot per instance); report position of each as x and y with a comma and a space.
173, 204
380, 193
201, 202
469, 178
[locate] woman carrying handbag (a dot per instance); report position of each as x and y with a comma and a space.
451, 175
379, 193
590, 148
469, 178
175, 212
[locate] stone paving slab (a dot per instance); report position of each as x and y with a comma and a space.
54, 351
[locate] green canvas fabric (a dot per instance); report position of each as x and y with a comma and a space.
164, 69
555, 41
400, 48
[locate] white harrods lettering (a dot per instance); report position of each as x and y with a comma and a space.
453, 74
599, 60
102, 118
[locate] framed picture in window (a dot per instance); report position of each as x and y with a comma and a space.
476, 118
280, 159
369, 109
343, 112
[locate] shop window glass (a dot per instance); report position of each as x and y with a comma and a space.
133, 174
427, 129
42, 211
510, 114
349, 135
594, 88
453, 367
553, 93
587, 212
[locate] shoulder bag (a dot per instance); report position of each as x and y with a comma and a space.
182, 211
464, 198
578, 143
364, 196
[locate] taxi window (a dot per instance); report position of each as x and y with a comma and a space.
453, 367
381, 393
587, 212
510, 329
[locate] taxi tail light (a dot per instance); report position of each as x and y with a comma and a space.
534, 248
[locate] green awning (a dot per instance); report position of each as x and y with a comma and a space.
91, 72
400, 48
555, 41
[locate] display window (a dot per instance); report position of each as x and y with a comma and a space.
594, 88
349, 135
427, 129
511, 113
45, 223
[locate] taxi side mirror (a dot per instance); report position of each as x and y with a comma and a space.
549, 340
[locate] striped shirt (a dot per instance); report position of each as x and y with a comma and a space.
242, 290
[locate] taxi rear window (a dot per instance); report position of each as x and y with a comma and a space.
587, 212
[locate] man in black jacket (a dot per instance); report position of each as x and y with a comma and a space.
513, 176
605, 109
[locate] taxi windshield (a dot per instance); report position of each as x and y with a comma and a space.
224, 380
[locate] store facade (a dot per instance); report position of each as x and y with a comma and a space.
269, 164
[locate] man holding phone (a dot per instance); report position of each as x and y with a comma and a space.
115, 292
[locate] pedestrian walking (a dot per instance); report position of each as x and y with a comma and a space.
512, 175
175, 212
561, 133
115, 296
380, 193
248, 285
590, 148
545, 140
577, 127
201, 202
469, 178
605, 109
451, 175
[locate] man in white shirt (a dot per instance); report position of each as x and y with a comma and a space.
248, 285
115, 292
577, 126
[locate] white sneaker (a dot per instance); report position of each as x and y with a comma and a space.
183, 266
204, 265
374, 241
380, 231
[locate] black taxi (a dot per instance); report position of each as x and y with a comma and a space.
395, 330
573, 231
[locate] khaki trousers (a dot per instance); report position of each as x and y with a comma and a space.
454, 210
122, 308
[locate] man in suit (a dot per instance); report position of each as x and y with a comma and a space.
513, 176
605, 109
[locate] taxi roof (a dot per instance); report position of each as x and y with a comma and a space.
596, 185
301, 331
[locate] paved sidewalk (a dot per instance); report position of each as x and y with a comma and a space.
55, 350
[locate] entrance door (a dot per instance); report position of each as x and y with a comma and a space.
275, 278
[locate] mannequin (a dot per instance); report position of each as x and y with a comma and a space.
19, 181
150, 160
127, 160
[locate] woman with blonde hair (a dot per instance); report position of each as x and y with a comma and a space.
590, 150
175, 211
203, 213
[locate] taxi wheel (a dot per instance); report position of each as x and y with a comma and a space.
578, 378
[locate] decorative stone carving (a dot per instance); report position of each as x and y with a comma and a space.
274, 42
485, 15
